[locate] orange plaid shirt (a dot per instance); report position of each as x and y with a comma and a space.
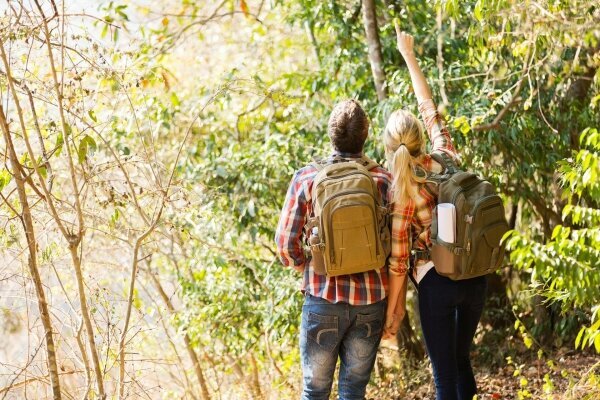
411, 222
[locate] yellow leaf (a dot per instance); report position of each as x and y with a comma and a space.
165, 21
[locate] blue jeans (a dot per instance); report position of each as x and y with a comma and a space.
450, 311
329, 331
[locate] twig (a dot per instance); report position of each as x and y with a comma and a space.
34, 379
514, 100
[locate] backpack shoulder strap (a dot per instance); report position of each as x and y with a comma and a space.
428, 176
318, 163
446, 162
367, 163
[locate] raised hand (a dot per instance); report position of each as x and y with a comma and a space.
405, 46
405, 41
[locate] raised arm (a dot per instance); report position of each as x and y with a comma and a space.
405, 46
436, 129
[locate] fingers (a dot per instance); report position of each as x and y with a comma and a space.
389, 320
405, 40
405, 37
392, 329
392, 322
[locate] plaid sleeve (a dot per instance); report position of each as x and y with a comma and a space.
288, 236
401, 238
436, 128
383, 179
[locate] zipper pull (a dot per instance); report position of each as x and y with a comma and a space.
468, 246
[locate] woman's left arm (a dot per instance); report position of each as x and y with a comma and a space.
401, 232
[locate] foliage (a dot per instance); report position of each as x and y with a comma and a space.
566, 269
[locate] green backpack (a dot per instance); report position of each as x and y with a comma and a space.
480, 223
347, 230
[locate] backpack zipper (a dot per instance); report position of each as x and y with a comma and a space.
479, 202
367, 174
465, 189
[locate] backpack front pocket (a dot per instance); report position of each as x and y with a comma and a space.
354, 233
487, 250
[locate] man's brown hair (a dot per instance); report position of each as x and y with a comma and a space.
348, 127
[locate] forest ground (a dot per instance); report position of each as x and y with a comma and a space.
563, 375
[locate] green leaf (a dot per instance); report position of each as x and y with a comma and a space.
477, 11
92, 115
579, 337
115, 217
557, 230
42, 167
59, 144
174, 99
5, 178
87, 145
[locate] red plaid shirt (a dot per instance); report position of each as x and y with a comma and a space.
411, 223
356, 289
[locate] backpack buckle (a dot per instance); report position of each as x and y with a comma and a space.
421, 255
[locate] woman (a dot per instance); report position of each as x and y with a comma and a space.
449, 310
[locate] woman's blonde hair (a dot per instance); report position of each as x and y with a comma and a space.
404, 145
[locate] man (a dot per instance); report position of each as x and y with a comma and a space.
343, 315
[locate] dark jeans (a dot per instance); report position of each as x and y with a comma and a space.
329, 331
450, 311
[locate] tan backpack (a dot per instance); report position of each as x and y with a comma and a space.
347, 230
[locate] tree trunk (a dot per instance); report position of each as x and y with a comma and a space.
256, 392
309, 26
375, 55
32, 259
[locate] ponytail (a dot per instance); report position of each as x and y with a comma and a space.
403, 140
404, 182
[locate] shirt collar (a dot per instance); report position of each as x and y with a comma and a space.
346, 155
